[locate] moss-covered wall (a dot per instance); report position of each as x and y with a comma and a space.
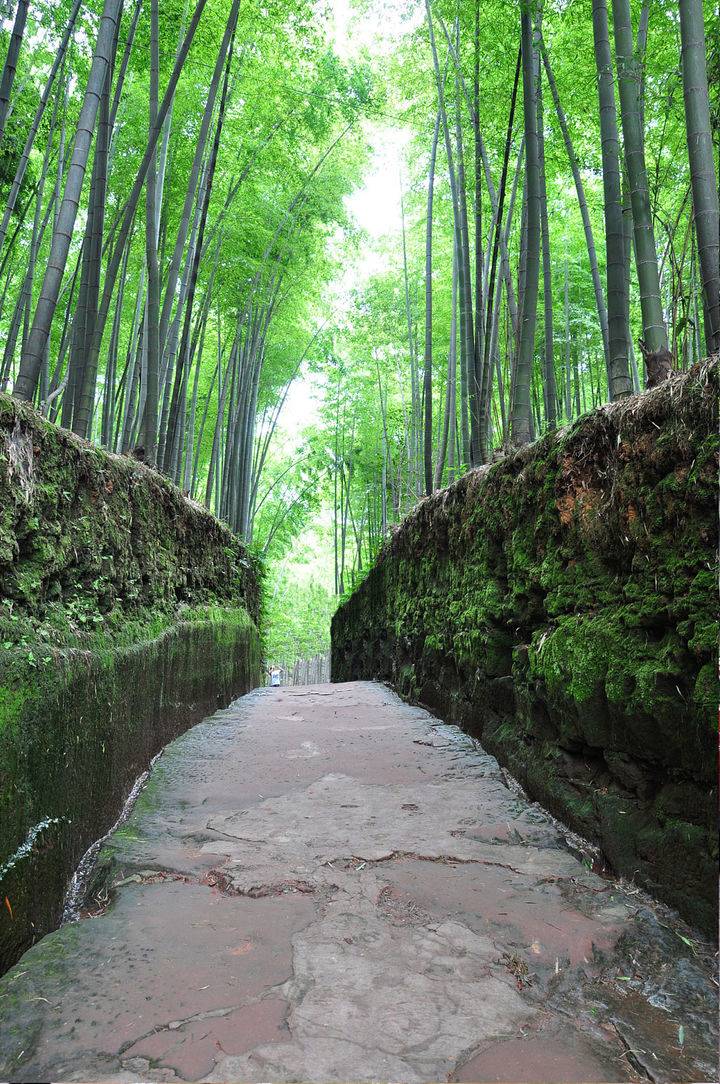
561, 605
103, 534
127, 613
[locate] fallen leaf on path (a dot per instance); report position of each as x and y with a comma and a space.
243, 949
9, 907
686, 941
517, 968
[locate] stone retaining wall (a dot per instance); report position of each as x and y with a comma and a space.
127, 613
561, 605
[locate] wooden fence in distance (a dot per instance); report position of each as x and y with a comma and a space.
314, 671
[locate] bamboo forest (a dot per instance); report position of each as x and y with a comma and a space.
358, 459
181, 245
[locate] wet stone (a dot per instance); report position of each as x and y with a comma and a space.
321, 883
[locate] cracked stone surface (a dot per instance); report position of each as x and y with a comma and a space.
320, 884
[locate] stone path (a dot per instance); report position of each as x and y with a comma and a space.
321, 883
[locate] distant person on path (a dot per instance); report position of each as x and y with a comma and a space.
275, 674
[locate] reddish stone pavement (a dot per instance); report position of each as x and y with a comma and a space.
321, 883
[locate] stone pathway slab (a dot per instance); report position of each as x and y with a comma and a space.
322, 883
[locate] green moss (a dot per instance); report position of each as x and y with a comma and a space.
12, 702
105, 532
127, 612
705, 691
562, 604
90, 726
607, 669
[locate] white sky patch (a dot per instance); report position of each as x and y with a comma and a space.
376, 29
375, 204
301, 407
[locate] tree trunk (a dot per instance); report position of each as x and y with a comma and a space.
168, 359
413, 456
39, 112
702, 169
190, 436
615, 256
454, 185
478, 321
521, 426
568, 369
24, 302
427, 393
582, 203
549, 388
178, 405
67, 215
106, 432
493, 296
192, 184
447, 440
123, 439
8, 75
131, 204
473, 111
149, 422
82, 367
629, 75
467, 336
